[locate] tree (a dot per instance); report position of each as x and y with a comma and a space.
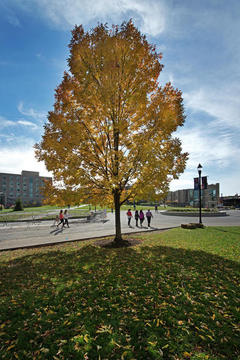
109, 134
18, 205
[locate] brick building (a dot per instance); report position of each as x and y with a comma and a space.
27, 187
189, 197
229, 201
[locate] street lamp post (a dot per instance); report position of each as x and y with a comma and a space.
199, 192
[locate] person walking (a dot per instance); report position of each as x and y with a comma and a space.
129, 216
56, 220
65, 216
136, 217
61, 219
141, 217
149, 215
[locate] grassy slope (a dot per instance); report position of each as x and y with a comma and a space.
176, 296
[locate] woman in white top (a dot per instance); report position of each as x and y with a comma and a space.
65, 215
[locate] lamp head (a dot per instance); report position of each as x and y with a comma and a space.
199, 167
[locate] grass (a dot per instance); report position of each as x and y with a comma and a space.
167, 208
46, 212
174, 296
184, 209
43, 208
40, 213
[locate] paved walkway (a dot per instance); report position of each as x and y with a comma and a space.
18, 235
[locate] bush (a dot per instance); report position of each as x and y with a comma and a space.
192, 226
18, 206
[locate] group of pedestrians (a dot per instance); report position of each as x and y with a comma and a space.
62, 218
139, 216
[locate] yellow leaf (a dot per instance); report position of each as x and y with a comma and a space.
10, 347
86, 338
210, 337
152, 343
49, 312
124, 354
105, 154
44, 350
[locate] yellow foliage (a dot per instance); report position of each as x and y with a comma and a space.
108, 138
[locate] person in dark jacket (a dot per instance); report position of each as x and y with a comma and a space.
149, 215
136, 217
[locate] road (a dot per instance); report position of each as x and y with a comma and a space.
17, 235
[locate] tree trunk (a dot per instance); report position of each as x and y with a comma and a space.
118, 234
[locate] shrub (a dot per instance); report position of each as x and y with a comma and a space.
18, 206
192, 226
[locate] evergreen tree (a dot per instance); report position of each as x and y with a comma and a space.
18, 205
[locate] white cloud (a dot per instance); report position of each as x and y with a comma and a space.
220, 103
28, 124
34, 114
217, 152
152, 15
21, 158
185, 181
228, 180
5, 122
203, 144
149, 15
7, 138
9, 14
13, 20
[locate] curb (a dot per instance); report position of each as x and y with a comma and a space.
191, 214
84, 239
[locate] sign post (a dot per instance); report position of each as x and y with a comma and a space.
199, 192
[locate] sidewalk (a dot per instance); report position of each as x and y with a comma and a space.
19, 235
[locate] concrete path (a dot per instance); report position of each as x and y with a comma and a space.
18, 235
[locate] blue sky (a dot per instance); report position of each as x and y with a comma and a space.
201, 51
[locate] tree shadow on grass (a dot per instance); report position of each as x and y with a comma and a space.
147, 302
225, 230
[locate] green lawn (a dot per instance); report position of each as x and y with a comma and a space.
174, 296
47, 211
41, 213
